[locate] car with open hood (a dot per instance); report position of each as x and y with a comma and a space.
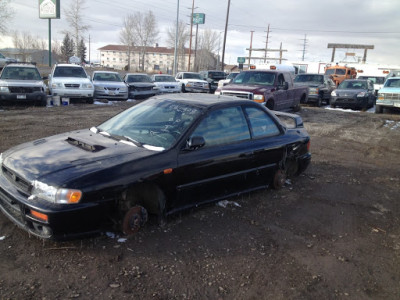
161, 156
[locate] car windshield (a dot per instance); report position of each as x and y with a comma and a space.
375, 80
138, 78
393, 83
256, 78
69, 72
166, 78
153, 124
354, 85
216, 75
335, 71
232, 75
191, 76
309, 78
21, 73
107, 77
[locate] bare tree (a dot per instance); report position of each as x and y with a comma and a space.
75, 19
24, 42
127, 36
183, 38
207, 45
145, 32
6, 14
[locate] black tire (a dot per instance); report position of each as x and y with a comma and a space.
333, 105
90, 100
297, 107
183, 88
378, 109
319, 101
270, 104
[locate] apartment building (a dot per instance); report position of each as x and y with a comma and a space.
157, 59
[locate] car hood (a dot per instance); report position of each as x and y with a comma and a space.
349, 92
23, 83
195, 80
71, 79
60, 158
246, 87
164, 83
113, 84
389, 90
140, 84
309, 84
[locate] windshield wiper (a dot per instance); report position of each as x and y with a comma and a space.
139, 144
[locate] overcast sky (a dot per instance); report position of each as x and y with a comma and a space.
369, 22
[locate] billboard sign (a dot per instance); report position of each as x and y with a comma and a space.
49, 9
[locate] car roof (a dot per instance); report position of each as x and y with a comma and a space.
136, 74
204, 100
109, 72
68, 65
27, 65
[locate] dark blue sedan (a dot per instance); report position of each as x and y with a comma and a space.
158, 157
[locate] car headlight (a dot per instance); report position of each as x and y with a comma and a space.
55, 195
381, 97
98, 88
259, 98
362, 94
333, 94
56, 85
188, 84
4, 89
87, 85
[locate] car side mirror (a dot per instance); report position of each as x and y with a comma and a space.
195, 142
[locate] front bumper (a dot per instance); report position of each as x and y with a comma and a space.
353, 102
108, 95
73, 93
23, 97
64, 221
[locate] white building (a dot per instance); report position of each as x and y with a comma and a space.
157, 59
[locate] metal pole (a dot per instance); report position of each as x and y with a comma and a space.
191, 33
251, 46
226, 29
195, 48
49, 42
176, 40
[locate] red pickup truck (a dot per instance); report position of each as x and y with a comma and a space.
274, 89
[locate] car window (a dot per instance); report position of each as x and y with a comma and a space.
69, 72
21, 73
261, 123
223, 126
138, 78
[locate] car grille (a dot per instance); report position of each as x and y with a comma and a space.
11, 207
72, 85
143, 88
110, 89
19, 182
391, 96
169, 87
23, 90
244, 95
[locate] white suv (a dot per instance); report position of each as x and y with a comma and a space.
192, 82
71, 81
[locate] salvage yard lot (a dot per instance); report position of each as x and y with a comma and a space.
332, 233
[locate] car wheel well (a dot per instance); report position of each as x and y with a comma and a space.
148, 195
270, 104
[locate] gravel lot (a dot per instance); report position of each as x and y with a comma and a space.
332, 233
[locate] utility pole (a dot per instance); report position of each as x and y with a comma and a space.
251, 46
89, 51
191, 33
226, 29
304, 46
266, 45
176, 40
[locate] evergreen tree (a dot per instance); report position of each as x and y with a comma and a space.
82, 51
67, 48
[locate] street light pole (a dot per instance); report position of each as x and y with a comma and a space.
226, 29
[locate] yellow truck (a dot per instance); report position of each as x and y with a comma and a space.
339, 73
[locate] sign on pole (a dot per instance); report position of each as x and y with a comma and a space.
49, 9
241, 60
199, 18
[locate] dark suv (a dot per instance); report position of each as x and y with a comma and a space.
212, 77
21, 83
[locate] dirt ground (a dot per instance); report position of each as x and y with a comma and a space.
332, 233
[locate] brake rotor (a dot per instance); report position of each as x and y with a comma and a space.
134, 219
